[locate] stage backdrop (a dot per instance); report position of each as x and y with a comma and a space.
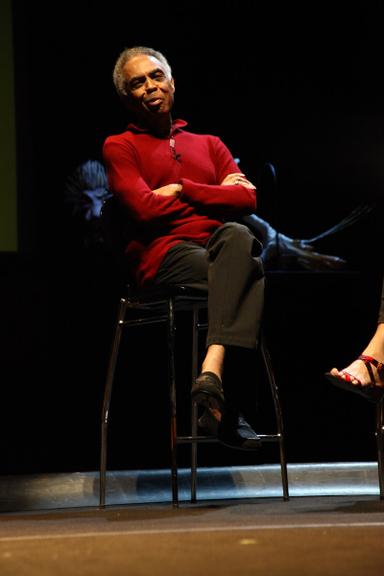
299, 85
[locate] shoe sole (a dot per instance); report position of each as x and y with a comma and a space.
246, 446
371, 393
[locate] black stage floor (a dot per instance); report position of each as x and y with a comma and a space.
333, 524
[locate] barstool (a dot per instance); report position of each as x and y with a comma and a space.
144, 308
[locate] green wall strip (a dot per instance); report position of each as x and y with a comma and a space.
8, 185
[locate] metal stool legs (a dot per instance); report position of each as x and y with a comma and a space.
278, 413
167, 317
279, 437
172, 400
380, 444
194, 439
107, 398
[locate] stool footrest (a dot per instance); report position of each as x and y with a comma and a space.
195, 439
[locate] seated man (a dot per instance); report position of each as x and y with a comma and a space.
184, 192
86, 190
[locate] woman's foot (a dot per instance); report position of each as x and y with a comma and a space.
364, 371
365, 376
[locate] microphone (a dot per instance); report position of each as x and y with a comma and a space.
172, 146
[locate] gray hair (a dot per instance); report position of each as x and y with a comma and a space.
128, 54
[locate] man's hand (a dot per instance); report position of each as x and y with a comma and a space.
168, 190
237, 178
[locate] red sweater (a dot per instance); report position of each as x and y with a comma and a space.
138, 162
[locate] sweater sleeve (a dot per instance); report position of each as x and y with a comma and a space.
223, 199
234, 199
125, 180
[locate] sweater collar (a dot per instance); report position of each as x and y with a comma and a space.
176, 126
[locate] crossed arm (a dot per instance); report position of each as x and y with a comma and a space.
231, 179
277, 247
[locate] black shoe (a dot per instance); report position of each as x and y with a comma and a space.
235, 432
207, 423
208, 391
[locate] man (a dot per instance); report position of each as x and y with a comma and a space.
183, 191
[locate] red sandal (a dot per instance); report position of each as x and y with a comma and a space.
370, 391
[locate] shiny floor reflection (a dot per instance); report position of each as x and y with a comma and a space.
81, 489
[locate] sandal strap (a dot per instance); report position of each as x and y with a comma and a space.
368, 361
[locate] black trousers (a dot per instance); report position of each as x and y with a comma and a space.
230, 270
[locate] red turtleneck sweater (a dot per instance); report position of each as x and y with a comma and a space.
138, 162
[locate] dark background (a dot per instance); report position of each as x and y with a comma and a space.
296, 85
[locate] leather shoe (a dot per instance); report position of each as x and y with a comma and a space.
207, 391
233, 431
207, 423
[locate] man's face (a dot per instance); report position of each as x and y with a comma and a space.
149, 88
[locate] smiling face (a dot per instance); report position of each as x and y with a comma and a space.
149, 87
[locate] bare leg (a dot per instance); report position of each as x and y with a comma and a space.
214, 360
357, 369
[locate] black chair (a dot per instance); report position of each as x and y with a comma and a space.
140, 307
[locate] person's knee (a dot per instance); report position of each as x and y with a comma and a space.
243, 238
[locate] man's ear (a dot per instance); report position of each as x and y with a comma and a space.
173, 84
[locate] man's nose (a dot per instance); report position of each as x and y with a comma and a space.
150, 84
